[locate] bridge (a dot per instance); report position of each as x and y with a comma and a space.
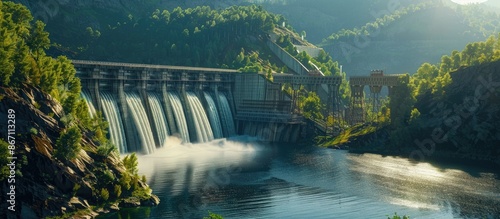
375, 82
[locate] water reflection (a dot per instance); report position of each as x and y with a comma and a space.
243, 179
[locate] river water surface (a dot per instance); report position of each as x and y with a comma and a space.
243, 179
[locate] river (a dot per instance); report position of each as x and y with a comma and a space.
241, 178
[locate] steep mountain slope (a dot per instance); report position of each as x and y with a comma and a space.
406, 43
320, 18
450, 110
463, 123
401, 45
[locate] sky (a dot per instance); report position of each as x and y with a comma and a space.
463, 2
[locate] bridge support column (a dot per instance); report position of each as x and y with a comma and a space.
337, 102
391, 92
357, 106
375, 95
295, 89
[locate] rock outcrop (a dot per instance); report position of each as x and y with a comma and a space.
46, 186
461, 124
466, 116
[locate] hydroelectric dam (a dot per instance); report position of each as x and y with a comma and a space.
147, 104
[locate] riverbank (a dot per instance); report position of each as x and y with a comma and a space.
376, 138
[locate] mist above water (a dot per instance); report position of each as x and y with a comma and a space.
243, 178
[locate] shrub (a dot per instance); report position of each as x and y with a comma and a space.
142, 193
4, 149
108, 176
106, 149
213, 216
33, 131
118, 191
104, 194
68, 145
125, 181
76, 187
130, 162
396, 216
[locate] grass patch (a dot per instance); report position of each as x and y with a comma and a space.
350, 134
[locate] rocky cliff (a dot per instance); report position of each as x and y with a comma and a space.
461, 124
464, 122
46, 186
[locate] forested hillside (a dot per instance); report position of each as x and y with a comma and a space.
392, 35
450, 111
321, 18
66, 163
230, 38
410, 36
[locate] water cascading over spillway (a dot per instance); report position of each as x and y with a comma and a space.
227, 116
90, 105
213, 115
203, 130
138, 113
159, 116
180, 118
112, 114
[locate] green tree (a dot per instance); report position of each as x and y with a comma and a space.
15, 28
312, 106
39, 40
446, 65
130, 162
4, 154
401, 102
68, 144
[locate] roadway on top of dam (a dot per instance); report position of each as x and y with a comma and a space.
118, 65
278, 77
388, 80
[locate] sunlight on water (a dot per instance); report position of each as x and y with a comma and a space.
395, 167
243, 178
414, 204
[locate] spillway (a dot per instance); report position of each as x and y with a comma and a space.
180, 118
90, 105
201, 124
112, 114
160, 119
227, 116
142, 125
213, 115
